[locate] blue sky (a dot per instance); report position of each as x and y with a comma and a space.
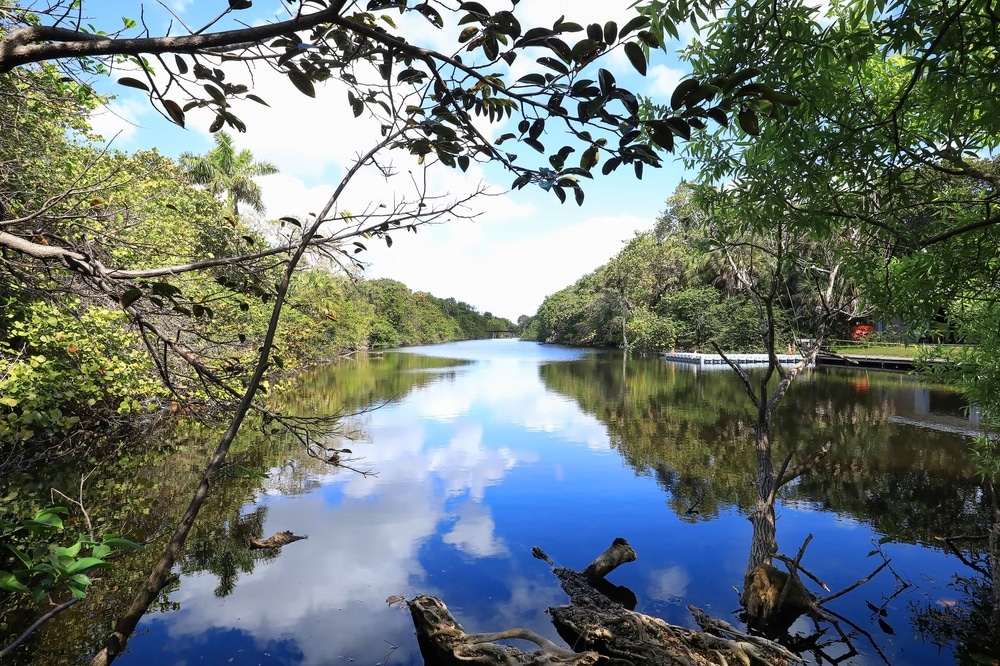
521, 247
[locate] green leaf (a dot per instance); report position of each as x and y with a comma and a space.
118, 542
85, 563
71, 551
11, 584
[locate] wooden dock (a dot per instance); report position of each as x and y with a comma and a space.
899, 363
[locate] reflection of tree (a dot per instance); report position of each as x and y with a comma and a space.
141, 490
225, 550
688, 430
971, 622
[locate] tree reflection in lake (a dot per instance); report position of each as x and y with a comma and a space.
502, 445
693, 435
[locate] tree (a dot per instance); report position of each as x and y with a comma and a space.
427, 102
225, 172
886, 146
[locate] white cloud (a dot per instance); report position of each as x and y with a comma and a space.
663, 80
474, 532
118, 121
521, 247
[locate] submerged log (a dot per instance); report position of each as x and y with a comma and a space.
599, 630
444, 642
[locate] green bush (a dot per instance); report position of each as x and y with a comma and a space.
61, 368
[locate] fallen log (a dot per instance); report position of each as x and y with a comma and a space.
599, 630
444, 642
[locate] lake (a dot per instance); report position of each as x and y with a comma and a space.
480, 450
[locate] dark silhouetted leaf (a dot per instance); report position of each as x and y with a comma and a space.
430, 14
661, 134
884, 626
636, 57
585, 49
607, 81
739, 78
634, 24
552, 63
302, 82
130, 297
718, 115
681, 92
748, 122
182, 67
410, 75
610, 32
129, 82
648, 38
680, 127
240, 4
174, 111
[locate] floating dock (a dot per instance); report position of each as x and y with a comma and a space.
716, 360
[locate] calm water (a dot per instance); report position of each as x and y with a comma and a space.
488, 448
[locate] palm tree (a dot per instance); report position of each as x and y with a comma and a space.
223, 171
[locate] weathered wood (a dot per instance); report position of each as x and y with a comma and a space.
598, 629
618, 553
443, 642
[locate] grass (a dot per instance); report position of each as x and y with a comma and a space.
899, 350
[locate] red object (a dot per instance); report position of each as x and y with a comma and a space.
861, 331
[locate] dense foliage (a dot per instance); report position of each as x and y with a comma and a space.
158, 216
666, 289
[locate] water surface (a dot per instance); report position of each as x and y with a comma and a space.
488, 448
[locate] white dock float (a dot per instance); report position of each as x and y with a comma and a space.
716, 360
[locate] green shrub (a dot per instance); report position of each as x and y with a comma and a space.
63, 368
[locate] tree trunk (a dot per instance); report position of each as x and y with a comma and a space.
764, 542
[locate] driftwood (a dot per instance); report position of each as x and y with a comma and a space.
277, 540
598, 629
443, 642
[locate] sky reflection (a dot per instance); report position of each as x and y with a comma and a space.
473, 469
